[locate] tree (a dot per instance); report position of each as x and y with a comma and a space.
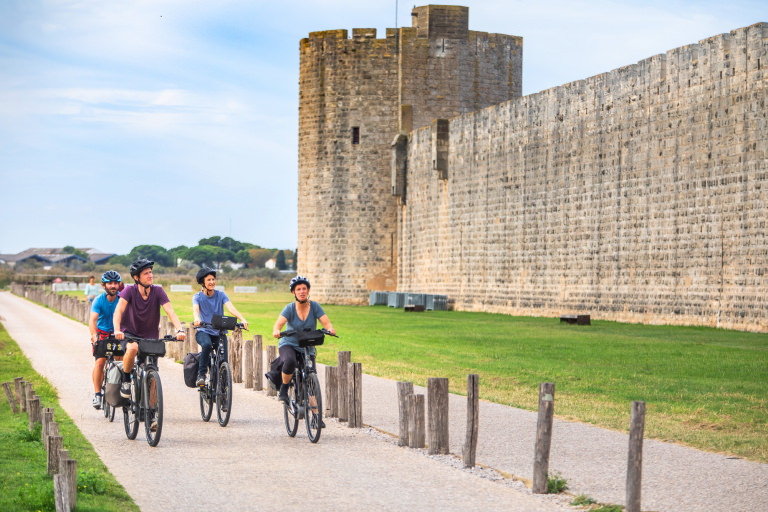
260, 256
68, 249
155, 253
280, 261
296, 260
201, 255
211, 240
178, 252
244, 257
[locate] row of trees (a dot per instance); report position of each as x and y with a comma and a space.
213, 251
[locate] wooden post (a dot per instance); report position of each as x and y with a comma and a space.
34, 412
53, 446
344, 359
473, 414
29, 393
355, 402
47, 420
61, 493
63, 458
258, 363
69, 469
635, 458
248, 361
437, 409
18, 384
543, 437
236, 356
331, 392
11, 398
416, 429
190, 344
404, 391
271, 356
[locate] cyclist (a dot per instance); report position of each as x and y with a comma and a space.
208, 302
138, 314
91, 290
100, 325
300, 315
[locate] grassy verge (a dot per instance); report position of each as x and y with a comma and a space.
703, 387
26, 484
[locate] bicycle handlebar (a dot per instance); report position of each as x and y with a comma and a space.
167, 337
292, 333
239, 325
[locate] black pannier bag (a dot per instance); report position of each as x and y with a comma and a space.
191, 361
226, 323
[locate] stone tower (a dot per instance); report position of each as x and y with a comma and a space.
357, 96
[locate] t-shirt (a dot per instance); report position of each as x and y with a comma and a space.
210, 306
296, 324
91, 291
142, 317
105, 310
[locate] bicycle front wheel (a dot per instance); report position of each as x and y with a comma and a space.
153, 415
206, 401
105, 407
291, 409
131, 411
224, 394
314, 404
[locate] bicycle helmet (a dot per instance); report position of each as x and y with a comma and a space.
109, 276
299, 280
139, 265
203, 272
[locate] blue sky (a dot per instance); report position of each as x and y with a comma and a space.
166, 121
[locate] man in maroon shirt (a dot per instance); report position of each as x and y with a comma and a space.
138, 314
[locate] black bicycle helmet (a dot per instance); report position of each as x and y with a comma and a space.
110, 276
204, 272
139, 265
298, 280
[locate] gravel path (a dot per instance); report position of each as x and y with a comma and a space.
350, 469
364, 468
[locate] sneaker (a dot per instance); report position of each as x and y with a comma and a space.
200, 382
283, 395
314, 422
125, 389
96, 402
153, 426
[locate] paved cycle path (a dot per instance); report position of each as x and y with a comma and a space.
251, 464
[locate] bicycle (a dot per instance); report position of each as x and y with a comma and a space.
304, 394
146, 402
113, 349
218, 385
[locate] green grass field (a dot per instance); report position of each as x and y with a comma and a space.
26, 484
703, 387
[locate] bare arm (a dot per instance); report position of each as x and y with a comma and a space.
281, 321
196, 314
168, 308
92, 327
231, 308
119, 310
327, 324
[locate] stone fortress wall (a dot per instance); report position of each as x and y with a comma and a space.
637, 195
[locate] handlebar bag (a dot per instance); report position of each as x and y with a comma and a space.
191, 363
151, 348
115, 347
310, 338
226, 323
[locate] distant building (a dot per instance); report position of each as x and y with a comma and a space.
54, 256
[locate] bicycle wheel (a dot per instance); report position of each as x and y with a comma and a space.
111, 415
153, 415
206, 402
314, 404
131, 411
224, 394
105, 407
291, 409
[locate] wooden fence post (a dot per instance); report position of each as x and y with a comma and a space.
355, 402
417, 417
344, 359
258, 363
34, 412
69, 469
47, 420
11, 398
61, 493
473, 413
437, 409
271, 356
53, 446
248, 363
404, 391
23, 396
18, 384
543, 437
635, 458
236, 356
331, 391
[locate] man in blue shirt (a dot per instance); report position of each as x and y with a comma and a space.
208, 302
100, 325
